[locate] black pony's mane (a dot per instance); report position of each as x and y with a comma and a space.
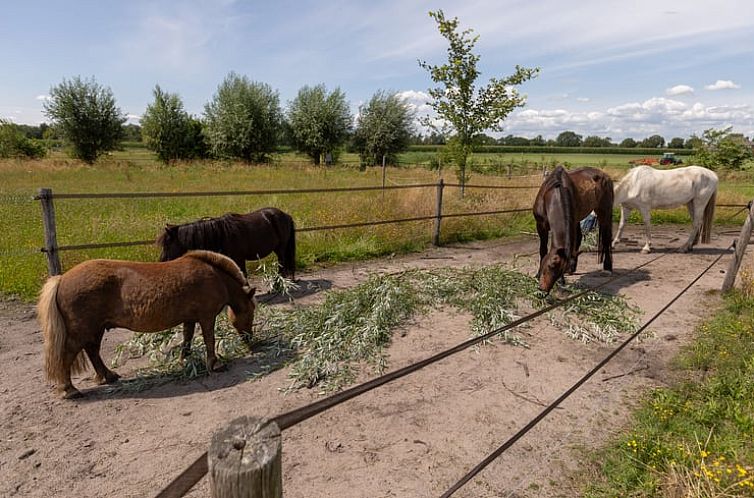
558, 179
211, 234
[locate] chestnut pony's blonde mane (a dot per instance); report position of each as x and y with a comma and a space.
220, 261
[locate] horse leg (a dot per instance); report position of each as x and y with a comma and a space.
66, 389
104, 375
625, 211
646, 216
697, 218
208, 332
188, 336
544, 233
575, 256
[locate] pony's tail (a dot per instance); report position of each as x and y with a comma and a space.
55, 334
290, 252
605, 219
709, 219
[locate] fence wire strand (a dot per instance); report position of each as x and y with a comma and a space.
501, 449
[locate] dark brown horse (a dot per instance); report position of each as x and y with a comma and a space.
241, 237
75, 309
564, 198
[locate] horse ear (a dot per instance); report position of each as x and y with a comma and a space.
250, 291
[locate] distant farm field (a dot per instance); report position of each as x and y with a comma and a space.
23, 267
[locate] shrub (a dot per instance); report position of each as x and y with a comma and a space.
169, 131
13, 143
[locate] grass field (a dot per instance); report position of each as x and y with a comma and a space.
696, 438
23, 267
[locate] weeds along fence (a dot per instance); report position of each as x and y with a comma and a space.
233, 473
52, 248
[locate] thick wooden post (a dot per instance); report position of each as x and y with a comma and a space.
438, 213
51, 238
741, 243
245, 460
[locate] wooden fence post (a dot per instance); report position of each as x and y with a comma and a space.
438, 213
509, 171
741, 244
384, 171
51, 237
245, 460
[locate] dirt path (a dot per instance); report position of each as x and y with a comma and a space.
414, 437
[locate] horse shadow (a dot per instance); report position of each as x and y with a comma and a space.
268, 356
304, 288
592, 279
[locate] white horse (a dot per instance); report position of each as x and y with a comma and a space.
646, 188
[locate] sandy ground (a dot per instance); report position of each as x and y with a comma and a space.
412, 438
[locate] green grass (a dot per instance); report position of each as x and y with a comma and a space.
23, 267
696, 438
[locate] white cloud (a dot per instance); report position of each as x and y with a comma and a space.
42, 98
658, 115
583, 99
416, 100
722, 85
679, 90
133, 117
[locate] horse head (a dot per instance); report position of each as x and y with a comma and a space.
171, 247
552, 268
242, 317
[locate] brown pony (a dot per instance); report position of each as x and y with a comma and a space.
564, 198
241, 237
76, 308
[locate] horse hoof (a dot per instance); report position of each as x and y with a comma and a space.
219, 367
645, 250
71, 393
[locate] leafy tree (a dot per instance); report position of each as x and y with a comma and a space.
384, 128
676, 143
511, 140
243, 119
723, 149
464, 109
484, 139
87, 116
168, 129
693, 142
132, 133
653, 142
319, 121
538, 141
628, 143
15, 143
595, 141
568, 139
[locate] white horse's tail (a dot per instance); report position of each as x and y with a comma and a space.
708, 220
54, 333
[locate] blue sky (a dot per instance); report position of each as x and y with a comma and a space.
610, 68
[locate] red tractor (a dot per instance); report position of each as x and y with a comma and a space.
669, 158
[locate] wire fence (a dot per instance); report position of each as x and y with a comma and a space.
194, 472
52, 248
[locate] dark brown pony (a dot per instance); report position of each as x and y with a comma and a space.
241, 237
564, 198
75, 309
